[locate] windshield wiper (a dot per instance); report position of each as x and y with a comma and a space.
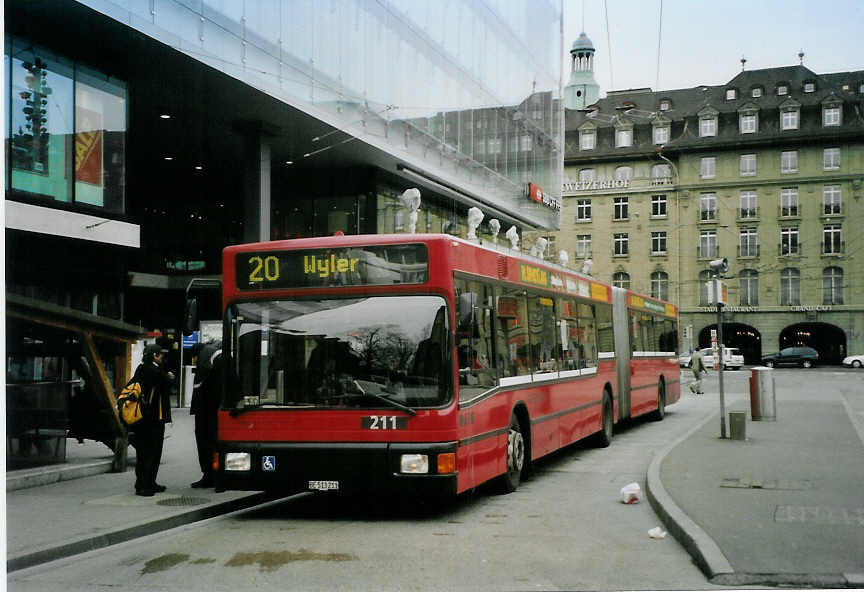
363, 393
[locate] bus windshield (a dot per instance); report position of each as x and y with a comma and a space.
371, 352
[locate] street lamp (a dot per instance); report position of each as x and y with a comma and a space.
718, 267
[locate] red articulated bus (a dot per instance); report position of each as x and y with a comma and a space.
424, 364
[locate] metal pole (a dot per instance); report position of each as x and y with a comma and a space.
720, 348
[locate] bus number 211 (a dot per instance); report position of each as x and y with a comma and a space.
384, 422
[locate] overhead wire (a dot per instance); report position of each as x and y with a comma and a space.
659, 38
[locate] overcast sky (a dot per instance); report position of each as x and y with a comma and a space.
702, 41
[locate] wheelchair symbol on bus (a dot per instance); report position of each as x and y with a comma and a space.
268, 463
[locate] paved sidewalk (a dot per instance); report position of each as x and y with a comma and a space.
783, 507
60, 515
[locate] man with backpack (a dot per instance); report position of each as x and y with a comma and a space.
149, 432
697, 365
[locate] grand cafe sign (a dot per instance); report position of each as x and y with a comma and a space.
570, 186
799, 308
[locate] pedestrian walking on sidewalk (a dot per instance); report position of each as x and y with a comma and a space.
150, 430
698, 367
206, 395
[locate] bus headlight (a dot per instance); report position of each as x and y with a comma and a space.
414, 463
238, 461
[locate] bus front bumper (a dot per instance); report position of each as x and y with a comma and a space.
350, 467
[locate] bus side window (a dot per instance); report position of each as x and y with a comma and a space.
587, 334
543, 338
569, 346
605, 335
474, 334
512, 333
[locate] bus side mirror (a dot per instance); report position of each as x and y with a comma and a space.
190, 317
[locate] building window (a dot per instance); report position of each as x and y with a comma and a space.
789, 201
661, 134
704, 278
658, 243
747, 123
789, 119
708, 167
831, 159
623, 138
708, 244
707, 127
707, 206
747, 165
830, 116
789, 244
748, 288
621, 244
587, 175
782, 90
660, 285
747, 200
583, 210
832, 285
809, 87
731, 94
494, 145
658, 206
67, 140
748, 243
756, 92
665, 105
790, 287
623, 173
789, 161
526, 143
621, 279
583, 246
832, 200
620, 207
832, 239
587, 140
661, 174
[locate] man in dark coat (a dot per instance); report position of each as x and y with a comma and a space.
150, 430
206, 395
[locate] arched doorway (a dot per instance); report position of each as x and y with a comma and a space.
829, 340
744, 337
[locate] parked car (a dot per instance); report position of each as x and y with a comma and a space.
854, 361
732, 358
792, 356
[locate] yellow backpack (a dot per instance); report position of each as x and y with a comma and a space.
130, 404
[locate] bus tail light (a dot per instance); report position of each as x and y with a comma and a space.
215, 462
447, 463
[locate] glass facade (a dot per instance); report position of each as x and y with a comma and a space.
66, 130
467, 91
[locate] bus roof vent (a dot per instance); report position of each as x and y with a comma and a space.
502, 266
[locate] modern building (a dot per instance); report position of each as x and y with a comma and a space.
143, 137
765, 170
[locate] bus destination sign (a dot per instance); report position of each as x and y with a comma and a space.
380, 265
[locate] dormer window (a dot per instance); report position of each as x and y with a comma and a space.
623, 137
809, 87
587, 139
707, 122
748, 120
661, 133
790, 113
756, 92
831, 115
665, 105
731, 94
782, 90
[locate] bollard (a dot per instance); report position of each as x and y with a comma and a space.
738, 425
763, 405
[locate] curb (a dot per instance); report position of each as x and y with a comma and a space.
53, 474
121, 535
701, 547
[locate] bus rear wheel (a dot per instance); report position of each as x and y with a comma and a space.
660, 412
509, 481
604, 436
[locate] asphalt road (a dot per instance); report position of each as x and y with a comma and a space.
563, 529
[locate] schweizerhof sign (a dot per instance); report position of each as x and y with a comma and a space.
570, 186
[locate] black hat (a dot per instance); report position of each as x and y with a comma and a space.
154, 348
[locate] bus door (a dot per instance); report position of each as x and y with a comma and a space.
621, 324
